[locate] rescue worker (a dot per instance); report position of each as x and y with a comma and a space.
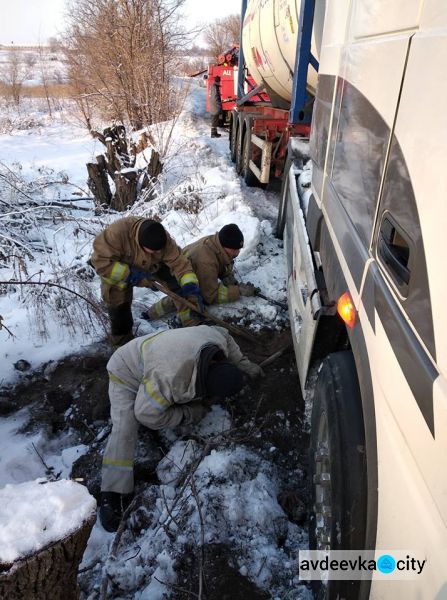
212, 259
215, 106
162, 380
129, 253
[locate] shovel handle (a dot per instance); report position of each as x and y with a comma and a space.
233, 328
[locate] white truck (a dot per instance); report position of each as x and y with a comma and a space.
366, 281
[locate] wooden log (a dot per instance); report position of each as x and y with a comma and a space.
126, 190
98, 183
113, 161
154, 167
50, 573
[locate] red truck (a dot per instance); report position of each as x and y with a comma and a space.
227, 69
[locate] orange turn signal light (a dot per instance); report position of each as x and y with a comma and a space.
346, 309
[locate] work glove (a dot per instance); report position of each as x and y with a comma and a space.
229, 279
196, 413
137, 277
247, 289
252, 369
193, 290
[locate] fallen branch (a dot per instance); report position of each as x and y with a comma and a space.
51, 284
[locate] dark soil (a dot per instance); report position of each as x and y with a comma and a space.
221, 580
72, 395
273, 408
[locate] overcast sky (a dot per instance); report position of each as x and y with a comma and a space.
34, 21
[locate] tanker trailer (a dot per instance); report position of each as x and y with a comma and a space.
280, 48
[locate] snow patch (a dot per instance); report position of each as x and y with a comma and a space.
37, 513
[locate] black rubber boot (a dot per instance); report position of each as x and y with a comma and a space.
111, 508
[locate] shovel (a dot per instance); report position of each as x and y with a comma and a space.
276, 302
233, 328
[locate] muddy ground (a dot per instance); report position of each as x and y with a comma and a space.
71, 395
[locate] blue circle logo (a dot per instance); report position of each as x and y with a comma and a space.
386, 563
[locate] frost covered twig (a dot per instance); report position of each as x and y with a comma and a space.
51, 284
3, 326
176, 587
202, 536
49, 471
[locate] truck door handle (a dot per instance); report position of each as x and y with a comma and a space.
394, 258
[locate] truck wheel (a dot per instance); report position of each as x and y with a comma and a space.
338, 466
239, 148
233, 136
249, 177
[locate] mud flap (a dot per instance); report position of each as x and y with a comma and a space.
303, 295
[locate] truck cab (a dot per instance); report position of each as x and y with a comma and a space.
366, 286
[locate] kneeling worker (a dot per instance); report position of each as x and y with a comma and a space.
212, 259
127, 254
162, 380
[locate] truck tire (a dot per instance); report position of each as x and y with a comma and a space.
233, 136
338, 467
239, 148
248, 176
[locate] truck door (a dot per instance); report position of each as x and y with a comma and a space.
403, 298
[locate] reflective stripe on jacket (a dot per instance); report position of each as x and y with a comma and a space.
116, 249
162, 368
211, 263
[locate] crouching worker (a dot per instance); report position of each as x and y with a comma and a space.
162, 380
129, 253
212, 258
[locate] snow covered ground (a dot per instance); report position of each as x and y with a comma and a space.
237, 487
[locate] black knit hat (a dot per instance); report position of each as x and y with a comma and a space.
230, 236
152, 235
223, 379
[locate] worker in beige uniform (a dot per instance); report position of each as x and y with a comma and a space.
163, 380
212, 259
129, 253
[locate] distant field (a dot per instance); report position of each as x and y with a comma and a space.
55, 90
34, 64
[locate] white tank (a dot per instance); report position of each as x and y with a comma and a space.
269, 39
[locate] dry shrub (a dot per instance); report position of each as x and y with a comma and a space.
121, 56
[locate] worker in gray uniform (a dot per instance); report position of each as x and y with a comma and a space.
215, 106
163, 380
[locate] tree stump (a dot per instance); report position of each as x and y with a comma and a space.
98, 183
126, 190
51, 573
34, 563
118, 161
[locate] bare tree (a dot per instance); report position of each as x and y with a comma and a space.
121, 56
44, 75
223, 34
13, 74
